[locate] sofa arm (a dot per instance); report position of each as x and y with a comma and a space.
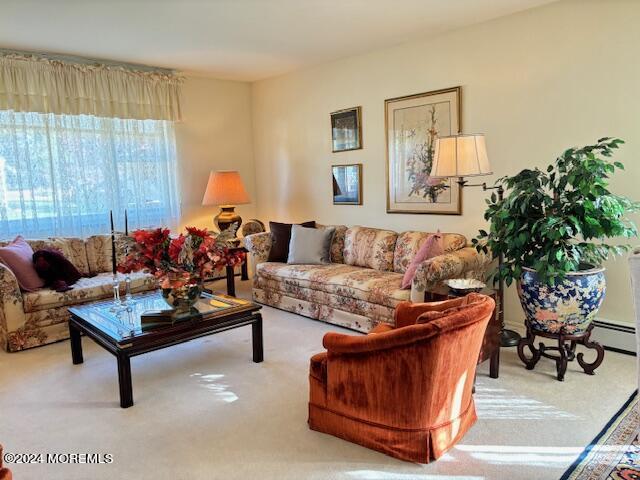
464, 263
258, 246
11, 308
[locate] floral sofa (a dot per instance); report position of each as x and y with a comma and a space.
29, 319
362, 286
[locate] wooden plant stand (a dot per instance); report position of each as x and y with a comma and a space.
566, 350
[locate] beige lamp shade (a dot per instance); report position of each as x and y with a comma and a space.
460, 156
225, 187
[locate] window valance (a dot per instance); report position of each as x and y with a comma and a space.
35, 83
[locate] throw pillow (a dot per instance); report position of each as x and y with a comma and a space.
432, 247
280, 238
18, 256
311, 246
57, 272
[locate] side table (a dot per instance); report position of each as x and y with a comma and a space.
230, 274
490, 349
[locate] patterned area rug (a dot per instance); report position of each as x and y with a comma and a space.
615, 453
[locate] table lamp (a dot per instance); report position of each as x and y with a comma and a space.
460, 156
225, 188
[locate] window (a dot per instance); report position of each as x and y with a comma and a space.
61, 174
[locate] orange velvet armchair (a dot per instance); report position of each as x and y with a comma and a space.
5, 473
404, 391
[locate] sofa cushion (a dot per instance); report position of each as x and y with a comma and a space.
74, 250
84, 290
99, 252
370, 247
409, 243
374, 286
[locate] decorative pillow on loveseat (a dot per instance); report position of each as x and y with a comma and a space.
280, 238
311, 246
18, 256
432, 247
54, 268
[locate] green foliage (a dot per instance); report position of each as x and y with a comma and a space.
555, 221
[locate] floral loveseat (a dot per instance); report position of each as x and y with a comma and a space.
362, 285
29, 319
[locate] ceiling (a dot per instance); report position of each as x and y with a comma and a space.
235, 39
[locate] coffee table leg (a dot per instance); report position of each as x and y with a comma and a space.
256, 333
231, 282
124, 380
76, 344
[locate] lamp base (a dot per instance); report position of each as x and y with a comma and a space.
226, 218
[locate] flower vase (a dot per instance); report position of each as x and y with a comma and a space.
568, 307
183, 298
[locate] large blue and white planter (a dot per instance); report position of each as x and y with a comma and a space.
568, 307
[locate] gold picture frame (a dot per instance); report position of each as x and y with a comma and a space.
347, 184
412, 123
346, 129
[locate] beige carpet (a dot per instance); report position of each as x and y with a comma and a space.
203, 410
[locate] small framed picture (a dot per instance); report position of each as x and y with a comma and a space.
346, 129
347, 184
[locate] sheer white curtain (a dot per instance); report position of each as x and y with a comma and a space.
61, 174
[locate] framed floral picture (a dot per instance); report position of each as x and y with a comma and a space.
412, 125
346, 130
347, 184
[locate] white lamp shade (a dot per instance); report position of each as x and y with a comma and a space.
460, 156
225, 188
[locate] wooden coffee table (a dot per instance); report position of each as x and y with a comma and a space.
125, 334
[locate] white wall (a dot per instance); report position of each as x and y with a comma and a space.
534, 83
215, 134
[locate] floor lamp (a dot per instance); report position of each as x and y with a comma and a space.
460, 156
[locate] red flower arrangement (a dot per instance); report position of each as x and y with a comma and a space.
182, 260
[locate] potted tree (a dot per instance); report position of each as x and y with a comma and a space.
551, 229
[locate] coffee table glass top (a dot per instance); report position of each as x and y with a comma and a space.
127, 321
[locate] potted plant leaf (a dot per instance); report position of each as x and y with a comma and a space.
551, 229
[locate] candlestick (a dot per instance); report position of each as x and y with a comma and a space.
126, 223
117, 303
128, 297
113, 244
